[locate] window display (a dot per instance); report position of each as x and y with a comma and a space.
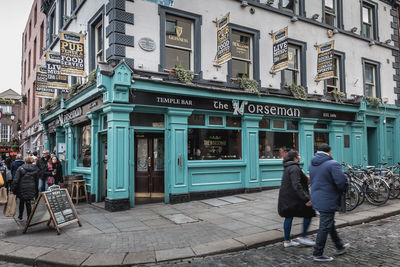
274, 145
84, 145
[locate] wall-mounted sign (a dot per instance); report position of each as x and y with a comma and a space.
42, 89
280, 49
147, 44
325, 67
223, 40
54, 77
72, 53
238, 107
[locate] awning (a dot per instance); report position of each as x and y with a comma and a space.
36, 139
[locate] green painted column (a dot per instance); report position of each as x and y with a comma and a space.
95, 155
118, 153
382, 140
176, 181
356, 144
60, 138
250, 152
336, 140
45, 133
69, 148
306, 141
396, 145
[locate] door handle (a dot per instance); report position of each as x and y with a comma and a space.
180, 161
149, 161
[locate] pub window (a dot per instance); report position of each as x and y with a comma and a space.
320, 138
178, 42
197, 119
147, 120
368, 21
84, 145
105, 123
233, 121
241, 55
215, 120
288, 5
334, 82
330, 12
264, 123
292, 73
346, 141
214, 144
278, 124
320, 126
275, 144
292, 125
371, 78
96, 39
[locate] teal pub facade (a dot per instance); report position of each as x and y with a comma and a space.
137, 139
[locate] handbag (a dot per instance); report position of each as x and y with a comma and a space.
3, 195
11, 206
1, 179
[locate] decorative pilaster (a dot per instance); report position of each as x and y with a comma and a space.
95, 158
306, 141
359, 156
69, 148
336, 139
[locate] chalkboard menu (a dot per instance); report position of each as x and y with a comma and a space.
53, 206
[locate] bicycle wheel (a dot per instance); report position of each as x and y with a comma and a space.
394, 185
377, 191
352, 197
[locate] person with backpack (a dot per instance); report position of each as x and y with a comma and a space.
24, 185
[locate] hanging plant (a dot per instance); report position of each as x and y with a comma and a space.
184, 76
337, 95
298, 91
374, 101
248, 85
23, 99
92, 78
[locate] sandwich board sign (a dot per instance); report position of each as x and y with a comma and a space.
53, 206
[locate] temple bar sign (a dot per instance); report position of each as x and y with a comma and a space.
238, 107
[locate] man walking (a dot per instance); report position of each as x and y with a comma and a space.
328, 182
44, 172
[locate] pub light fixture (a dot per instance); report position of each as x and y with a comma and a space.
270, 2
294, 19
315, 16
244, 3
353, 30
371, 43
388, 41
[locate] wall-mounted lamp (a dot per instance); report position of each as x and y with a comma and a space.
67, 18
371, 43
315, 16
388, 41
294, 19
270, 2
12, 116
244, 3
353, 30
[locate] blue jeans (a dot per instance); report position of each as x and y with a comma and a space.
326, 226
287, 227
43, 186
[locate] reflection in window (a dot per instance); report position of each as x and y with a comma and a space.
233, 121
291, 74
215, 120
274, 145
197, 119
84, 145
288, 5
279, 124
264, 123
241, 55
319, 139
218, 144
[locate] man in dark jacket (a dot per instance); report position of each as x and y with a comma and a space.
328, 182
16, 164
44, 172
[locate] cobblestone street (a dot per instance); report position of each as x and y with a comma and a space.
372, 244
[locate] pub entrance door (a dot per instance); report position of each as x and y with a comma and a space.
149, 167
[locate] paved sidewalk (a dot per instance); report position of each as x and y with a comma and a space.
160, 232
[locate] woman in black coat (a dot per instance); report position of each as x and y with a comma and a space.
56, 170
24, 185
294, 199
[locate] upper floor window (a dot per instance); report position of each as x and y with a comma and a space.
6, 109
292, 73
63, 12
96, 39
75, 4
52, 26
25, 41
34, 53
41, 39
371, 78
331, 12
35, 14
29, 64
337, 81
369, 20
99, 41
241, 55
178, 42
5, 133
288, 5
30, 29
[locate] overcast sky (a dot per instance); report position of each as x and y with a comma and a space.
13, 17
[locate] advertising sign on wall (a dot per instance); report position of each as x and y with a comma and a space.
223, 40
42, 88
325, 68
72, 53
54, 77
280, 49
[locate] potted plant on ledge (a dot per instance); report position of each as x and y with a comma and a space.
248, 85
183, 75
373, 101
337, 95
298, 91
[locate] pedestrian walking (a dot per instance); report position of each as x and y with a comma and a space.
328, 182
24, 185
8, 176
56, 170
44, 172
16, 164
294, 199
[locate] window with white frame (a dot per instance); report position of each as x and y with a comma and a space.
52, 26
99, 41
292, 73
6, 109
178, 42
334, 82
96, 39
241, 55
330, 10
370, 80
5, 133
367, 21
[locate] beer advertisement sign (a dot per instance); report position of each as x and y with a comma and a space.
280, 49
55, 79
72, 53
223, 40
325, 67
42, 89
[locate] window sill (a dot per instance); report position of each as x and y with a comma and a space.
216, 163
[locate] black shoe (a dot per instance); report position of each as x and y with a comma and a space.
20, 218
322, 258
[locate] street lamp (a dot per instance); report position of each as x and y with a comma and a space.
12, 117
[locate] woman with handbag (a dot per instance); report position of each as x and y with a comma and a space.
294, 199
24, 185
56, 170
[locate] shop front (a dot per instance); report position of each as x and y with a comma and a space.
147, 140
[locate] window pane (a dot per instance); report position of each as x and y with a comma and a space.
214, 120
233, 121
330, 19
288, 4
369, 74
279, 124
319, 139
369, 90
290, 76
85, 145
147, 119
320, 126
367, 30
366, 15
264, 123
240, 69
240, 45
214, 144
178, 32
197, 119
276, 144
292, 125
329, 5
292, 58
175, 57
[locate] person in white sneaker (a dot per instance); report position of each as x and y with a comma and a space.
294, 199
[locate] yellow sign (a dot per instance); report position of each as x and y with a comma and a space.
223, 40
72, 54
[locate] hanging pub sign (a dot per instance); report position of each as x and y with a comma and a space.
325, 68
72, 54
54, 77
223, 40
42, 89
280, 49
